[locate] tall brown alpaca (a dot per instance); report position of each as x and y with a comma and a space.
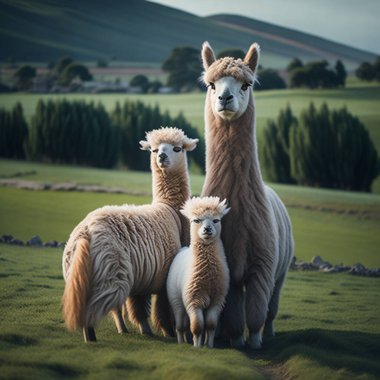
257, 233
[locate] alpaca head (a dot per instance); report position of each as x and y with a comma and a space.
168, 148
229, 81
205, 214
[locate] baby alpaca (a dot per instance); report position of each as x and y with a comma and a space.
198, 277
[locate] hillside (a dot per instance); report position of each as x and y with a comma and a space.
142, 32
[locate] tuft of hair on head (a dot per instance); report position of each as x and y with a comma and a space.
198, 207
168, 135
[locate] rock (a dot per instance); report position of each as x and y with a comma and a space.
35, 241
317, 261
53, 244
7, 239
17, 242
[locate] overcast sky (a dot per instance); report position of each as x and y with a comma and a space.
352, 22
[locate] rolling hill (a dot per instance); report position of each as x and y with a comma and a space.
139, 31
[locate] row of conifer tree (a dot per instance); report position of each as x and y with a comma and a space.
76, 132
321, 148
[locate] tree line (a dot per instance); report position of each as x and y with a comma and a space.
322, 148
76, 132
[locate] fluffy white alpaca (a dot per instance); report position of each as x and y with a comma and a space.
198, 277
259, 258
122, 251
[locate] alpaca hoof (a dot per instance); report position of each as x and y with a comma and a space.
89, 334
255, 341
269, 330
237, 343
145, 329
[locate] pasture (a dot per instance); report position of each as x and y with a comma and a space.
342, 227
328, 327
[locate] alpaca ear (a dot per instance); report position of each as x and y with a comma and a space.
226, 211
183, 212
144, 145
208, 56
190, 144
252, 57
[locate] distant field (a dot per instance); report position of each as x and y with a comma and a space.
342, 227
361, 100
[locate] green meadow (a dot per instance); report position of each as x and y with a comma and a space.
328, 326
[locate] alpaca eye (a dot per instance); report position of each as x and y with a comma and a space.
177, 149
155, 150
212, 85
216, 221
245, 86
196, 221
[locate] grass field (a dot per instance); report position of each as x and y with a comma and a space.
342, 227
328, 328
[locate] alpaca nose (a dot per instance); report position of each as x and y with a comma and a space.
207, 229
162, 156
225, 97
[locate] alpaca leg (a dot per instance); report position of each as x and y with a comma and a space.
232, 318
196, 326
180, 323
89, 334
212, 315
161, 314
119, 320
273, 307
257, 301
138, 312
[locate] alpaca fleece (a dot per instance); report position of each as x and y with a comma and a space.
125, 251
257, 233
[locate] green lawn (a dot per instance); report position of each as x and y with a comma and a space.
342, 227
328, 327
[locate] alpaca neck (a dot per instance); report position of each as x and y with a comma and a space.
206, 256
171, 188
231, 147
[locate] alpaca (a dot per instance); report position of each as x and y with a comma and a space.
259, 258
122, 251
198, 277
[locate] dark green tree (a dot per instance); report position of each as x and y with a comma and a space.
73, 133
296, 63
74, 70
269, 79
235, 53
13, 132
332, 149
365, 72
274, 149
24, 77
184, 68
140, 81
376, 68
341, 73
